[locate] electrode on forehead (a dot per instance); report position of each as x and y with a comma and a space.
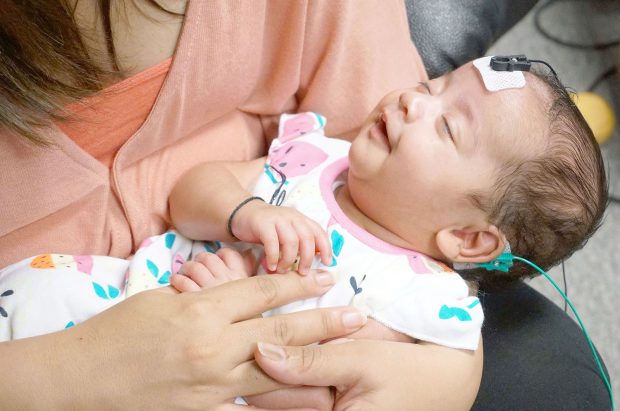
495, 80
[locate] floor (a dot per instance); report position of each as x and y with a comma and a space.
593, 273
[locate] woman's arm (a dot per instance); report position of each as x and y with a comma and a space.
163, 350
372, 375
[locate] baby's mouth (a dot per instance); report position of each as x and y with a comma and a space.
379, 131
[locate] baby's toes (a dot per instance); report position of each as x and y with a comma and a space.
236, 264
199, 273
216, 266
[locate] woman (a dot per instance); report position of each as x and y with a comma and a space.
180, 83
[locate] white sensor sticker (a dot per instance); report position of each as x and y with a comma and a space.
498, 80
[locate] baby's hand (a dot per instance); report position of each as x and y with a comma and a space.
208, 270
285, 233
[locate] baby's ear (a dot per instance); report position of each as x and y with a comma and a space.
471, 245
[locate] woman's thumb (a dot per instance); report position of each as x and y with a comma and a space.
319, 365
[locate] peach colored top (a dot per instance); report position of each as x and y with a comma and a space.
237, 66
104, 122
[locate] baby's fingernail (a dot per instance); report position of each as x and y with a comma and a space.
353, 319
273, 352
324, 278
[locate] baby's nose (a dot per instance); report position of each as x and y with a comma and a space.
413, 104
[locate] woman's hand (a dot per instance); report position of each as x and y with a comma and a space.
380, 375
163, 350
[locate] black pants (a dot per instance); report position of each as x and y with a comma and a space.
535, 357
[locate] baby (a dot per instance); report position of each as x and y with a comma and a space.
448, 172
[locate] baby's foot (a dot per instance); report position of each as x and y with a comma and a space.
209, 270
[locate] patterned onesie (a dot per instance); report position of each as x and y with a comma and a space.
402, 289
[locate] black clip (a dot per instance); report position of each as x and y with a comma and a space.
517, 62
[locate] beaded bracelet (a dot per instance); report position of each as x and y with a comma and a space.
232, 215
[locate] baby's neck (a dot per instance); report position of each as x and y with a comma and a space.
353, 212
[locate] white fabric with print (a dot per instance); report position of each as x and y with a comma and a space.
400, 288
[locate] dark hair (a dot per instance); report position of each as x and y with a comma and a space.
548, 206
44, 63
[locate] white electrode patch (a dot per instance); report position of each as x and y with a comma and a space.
498, 80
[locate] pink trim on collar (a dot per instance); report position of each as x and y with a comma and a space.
328, 177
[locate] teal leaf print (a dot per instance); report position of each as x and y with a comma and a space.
164, 279
212, 247
152, 268
113, 292
170, 237
445, 313
337, 242
99, 290
70, 324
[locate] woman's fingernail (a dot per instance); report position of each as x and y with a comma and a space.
324, 278
353, 319
273, 352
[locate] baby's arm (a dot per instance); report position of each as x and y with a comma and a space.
205, 197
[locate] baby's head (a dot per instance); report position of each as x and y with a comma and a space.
456, 171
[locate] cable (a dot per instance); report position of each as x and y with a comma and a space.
595, 46
549, 36
583, 328
565, 284
546, 64
610, 72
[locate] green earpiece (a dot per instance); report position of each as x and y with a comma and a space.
502, 263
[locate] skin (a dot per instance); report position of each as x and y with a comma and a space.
392, 176
179, 367
183, 365
209, 270
423, 150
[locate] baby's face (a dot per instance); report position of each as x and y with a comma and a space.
423, 150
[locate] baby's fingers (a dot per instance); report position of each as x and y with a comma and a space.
323, 245
269, 238
306, 247
289, 245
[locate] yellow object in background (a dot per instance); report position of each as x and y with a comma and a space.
598, 113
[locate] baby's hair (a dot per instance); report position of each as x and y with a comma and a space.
549, 205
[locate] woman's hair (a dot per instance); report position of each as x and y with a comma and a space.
549, 205
44, 63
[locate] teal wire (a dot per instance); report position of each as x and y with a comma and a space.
596, 358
